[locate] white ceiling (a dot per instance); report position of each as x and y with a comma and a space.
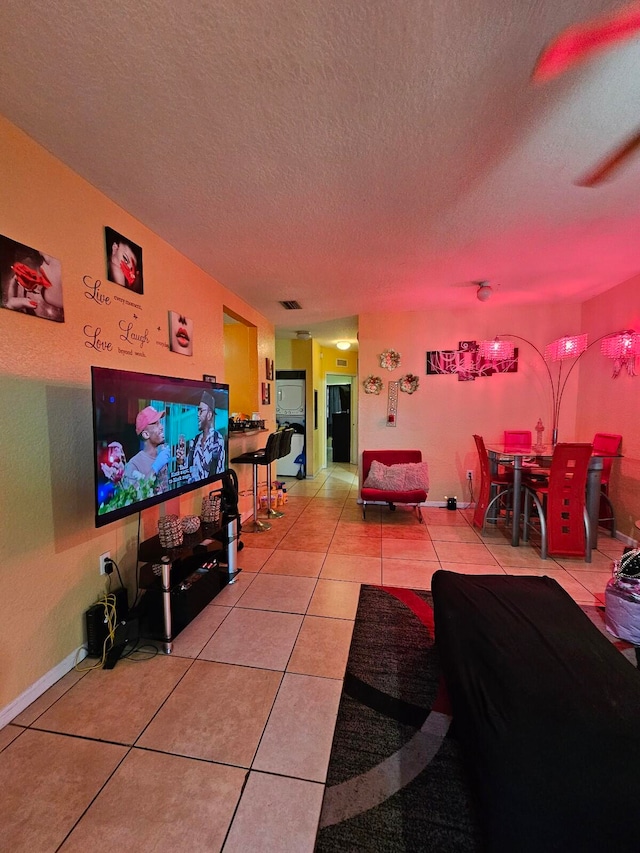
352, 155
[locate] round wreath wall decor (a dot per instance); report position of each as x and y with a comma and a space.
409, 383
372, 384
390, 359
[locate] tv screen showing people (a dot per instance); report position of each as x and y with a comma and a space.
155, 437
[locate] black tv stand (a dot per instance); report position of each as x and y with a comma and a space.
180, 582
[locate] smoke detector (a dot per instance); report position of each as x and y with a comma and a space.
303, 336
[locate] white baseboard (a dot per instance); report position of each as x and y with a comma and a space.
442, 504
39, 687
434, 504
626, 540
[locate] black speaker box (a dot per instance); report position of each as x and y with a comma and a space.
96, 619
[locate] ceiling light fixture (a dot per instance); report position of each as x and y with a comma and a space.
303, 336
484, 291
343, 345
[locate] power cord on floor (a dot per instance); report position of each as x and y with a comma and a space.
142, 652
472, 499
136, 597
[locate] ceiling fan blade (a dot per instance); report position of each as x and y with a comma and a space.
607, 167
579, 43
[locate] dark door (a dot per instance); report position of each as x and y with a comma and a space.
339, 422
342, 437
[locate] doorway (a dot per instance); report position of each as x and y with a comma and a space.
339, 422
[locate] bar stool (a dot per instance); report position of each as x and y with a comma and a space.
286, 435
261, 458
284, 449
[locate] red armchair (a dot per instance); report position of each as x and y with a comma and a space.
392, 496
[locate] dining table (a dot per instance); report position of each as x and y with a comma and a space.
535, 456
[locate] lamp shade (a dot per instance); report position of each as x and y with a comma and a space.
622, 345
571, 346
496, 350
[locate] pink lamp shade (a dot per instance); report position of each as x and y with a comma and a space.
496, 350
623, 348
623, 345
571, 346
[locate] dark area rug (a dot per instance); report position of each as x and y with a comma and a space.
397, 780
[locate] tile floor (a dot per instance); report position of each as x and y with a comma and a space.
225, 744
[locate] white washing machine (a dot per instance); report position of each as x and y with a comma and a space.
287, 465
290, 410
290, 399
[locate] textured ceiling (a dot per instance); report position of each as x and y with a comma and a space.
353, 155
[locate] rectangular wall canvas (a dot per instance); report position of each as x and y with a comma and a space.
466, 363
124, 261
30, 281
180, 333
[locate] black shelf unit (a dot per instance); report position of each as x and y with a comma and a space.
179, 582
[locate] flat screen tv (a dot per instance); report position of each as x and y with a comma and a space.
155, 437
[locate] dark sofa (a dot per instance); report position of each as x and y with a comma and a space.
547, 711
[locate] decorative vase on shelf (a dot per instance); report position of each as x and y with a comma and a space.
190, 523
539, 435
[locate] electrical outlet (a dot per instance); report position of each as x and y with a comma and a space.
103, 559
469, 474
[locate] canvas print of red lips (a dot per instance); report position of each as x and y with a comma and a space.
180, 333
124, 261
30, 281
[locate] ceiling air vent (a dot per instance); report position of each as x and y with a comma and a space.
290, 304
341, 362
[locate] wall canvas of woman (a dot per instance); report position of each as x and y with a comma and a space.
31, 281
124, 261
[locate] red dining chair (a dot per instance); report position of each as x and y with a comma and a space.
606, 442
561, 505
517, 438
503, 483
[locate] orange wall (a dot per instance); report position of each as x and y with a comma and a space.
50, 547
241, 368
